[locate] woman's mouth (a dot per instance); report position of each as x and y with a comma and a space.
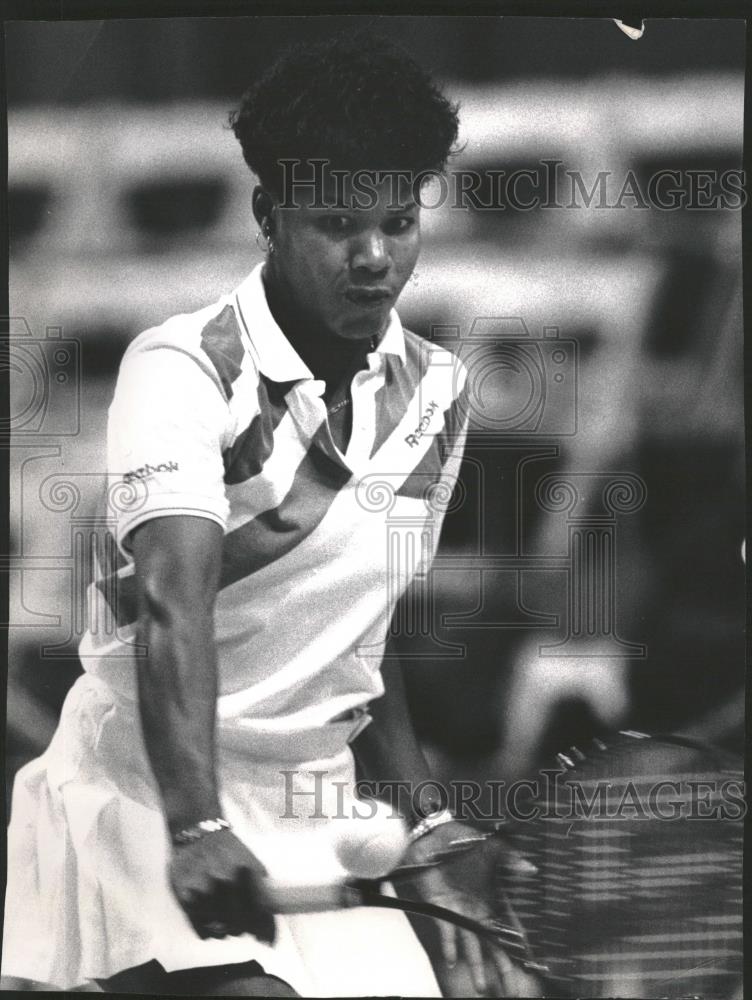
368, 297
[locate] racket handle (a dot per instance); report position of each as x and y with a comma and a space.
316, 898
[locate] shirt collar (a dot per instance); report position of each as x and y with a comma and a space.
393, 341
273, 353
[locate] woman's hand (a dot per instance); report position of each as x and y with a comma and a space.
219, 884
464, 884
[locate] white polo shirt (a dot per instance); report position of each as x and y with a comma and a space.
215, 415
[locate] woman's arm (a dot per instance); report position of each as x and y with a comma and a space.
387, 751
177, 562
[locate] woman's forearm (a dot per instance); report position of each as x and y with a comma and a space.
387, 751
177, 687
177, 568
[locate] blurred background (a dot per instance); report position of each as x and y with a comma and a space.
129, 201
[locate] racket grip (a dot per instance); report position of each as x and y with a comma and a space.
316, 898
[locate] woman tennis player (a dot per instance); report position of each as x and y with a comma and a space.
208, 747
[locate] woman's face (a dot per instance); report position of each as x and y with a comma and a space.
343, 268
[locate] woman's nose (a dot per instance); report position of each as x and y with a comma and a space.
371, 253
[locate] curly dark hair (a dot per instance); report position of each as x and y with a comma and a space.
358, 102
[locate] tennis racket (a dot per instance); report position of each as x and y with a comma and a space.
637, 846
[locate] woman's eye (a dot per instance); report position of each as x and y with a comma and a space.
335, 224
400, 225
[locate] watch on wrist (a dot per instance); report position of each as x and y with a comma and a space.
199, 830
429, 823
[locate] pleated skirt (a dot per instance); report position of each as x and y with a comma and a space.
88, 853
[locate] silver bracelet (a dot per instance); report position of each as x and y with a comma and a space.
429, 823
200, 830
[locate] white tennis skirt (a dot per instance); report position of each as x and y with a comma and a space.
88, 851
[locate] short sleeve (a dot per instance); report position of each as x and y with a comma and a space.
166, 430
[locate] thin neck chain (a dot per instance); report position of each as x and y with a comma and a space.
339, 406
346, 401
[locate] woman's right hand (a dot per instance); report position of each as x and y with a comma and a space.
219, 884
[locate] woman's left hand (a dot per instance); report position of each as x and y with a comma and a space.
464, 884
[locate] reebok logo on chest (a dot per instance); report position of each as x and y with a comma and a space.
414, 438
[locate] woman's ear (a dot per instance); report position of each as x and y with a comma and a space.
263, 206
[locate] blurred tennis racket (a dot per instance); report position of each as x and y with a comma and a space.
637, 844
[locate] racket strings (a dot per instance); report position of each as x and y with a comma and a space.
630, 906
